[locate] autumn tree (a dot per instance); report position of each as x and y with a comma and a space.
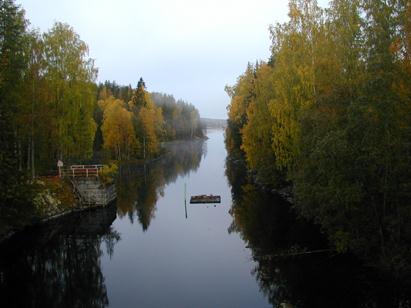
70, 75
117, 129
257, 133
295, 47
338, 101
148, 121
33, 107
242, 93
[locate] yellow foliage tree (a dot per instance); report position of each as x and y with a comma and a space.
242, 94
257, 134
295, 47
148, 120
118, 131
151, 120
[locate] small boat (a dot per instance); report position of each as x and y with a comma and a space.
205, 199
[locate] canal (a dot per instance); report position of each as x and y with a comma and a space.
153, 249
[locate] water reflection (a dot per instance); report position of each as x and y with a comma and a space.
58, 264
80, 261
139, 186
286, 270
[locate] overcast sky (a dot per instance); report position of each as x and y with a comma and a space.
188, 48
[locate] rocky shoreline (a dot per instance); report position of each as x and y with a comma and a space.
76, 209
55, 199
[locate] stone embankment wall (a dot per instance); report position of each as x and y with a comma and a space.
90, 191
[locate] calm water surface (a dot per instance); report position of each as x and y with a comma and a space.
177, 260
153, 249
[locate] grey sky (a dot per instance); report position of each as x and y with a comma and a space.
187, 48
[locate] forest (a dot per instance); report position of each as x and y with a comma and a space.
327, 116
52, 108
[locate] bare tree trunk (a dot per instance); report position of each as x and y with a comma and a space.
144, 147
20, 155
33, 170
28, 155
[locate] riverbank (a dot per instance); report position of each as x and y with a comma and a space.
53, 198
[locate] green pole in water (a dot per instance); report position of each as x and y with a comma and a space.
185, 198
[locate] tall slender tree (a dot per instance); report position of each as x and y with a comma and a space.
70, 75
13, 63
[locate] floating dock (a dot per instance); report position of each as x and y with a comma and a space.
205, 199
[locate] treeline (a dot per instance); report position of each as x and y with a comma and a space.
329, 114
47, 93
51, 107
129, 129
181, 119
131, 123
47, 98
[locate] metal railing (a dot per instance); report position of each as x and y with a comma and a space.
81, 171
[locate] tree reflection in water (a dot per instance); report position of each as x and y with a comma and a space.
140, 185
286, 273
58, 264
